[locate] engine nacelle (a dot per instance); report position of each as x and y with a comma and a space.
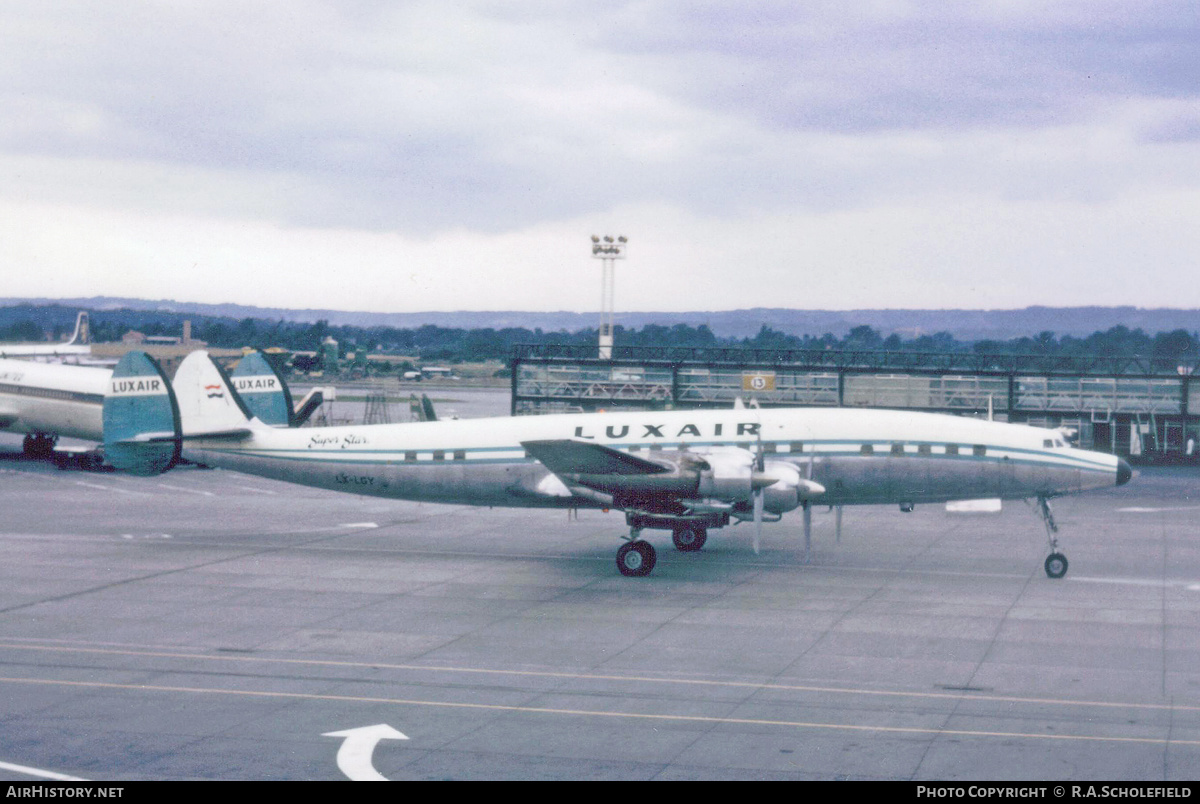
727, 476
784, 494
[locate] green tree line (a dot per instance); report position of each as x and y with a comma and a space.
430, 342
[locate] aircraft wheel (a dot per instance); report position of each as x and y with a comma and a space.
38, 445
636, 559
1056, 565
689, 539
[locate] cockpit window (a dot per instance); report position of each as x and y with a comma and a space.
1048, 443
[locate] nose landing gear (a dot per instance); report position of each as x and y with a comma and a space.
1056, 562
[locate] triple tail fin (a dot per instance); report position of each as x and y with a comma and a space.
141, 417
263, 390
209, 407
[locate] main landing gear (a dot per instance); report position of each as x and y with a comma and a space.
1056, 562
689, 538
636, 558
39, 445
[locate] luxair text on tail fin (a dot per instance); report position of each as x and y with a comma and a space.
141, 417
263, 390
208, 405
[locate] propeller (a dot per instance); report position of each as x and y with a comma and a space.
759, 466
781, 476
758, 518
808, 510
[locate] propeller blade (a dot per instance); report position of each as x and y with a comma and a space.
807, 532
758, 518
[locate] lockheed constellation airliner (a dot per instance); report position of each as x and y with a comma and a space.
48, 400
688, 472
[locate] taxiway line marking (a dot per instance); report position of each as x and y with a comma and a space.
354, 756
182, 488
539, 710
43, 774
614, 678
256, 488
1140, 510
1191, 586
103, 488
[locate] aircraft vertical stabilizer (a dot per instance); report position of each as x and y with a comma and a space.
263, 390
141, 417
208, 405
83, 331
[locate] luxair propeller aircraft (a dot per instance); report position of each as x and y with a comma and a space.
684, 471
48, 400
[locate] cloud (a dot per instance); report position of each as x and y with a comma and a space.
444, 134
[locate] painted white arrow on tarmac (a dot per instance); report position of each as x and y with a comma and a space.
354, 757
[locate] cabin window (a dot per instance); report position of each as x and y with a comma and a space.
439, 455
1048, 443
924, 449
769, 446
635, 448
410, 456
797, 446
952, 449
898, 449
867, 449
979, 449
460, 455
656, 447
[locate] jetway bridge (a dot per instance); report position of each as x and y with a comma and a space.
1133, 406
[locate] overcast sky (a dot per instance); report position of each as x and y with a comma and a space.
412, 156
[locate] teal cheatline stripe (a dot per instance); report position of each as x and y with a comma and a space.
396, 455
141, 417
51, 393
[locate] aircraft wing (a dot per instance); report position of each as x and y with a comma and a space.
632, 481
687, 483
569, 457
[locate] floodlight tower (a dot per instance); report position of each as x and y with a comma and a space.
607, 249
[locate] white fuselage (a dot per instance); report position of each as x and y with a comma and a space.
859, 456
52, 398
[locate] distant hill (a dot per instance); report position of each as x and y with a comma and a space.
964, 325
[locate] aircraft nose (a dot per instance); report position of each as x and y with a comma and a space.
1124, 472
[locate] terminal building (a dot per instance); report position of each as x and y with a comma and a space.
1137, 407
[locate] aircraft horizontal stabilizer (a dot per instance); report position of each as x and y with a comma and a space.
306, 407
235, 434
147, 438
569, 457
